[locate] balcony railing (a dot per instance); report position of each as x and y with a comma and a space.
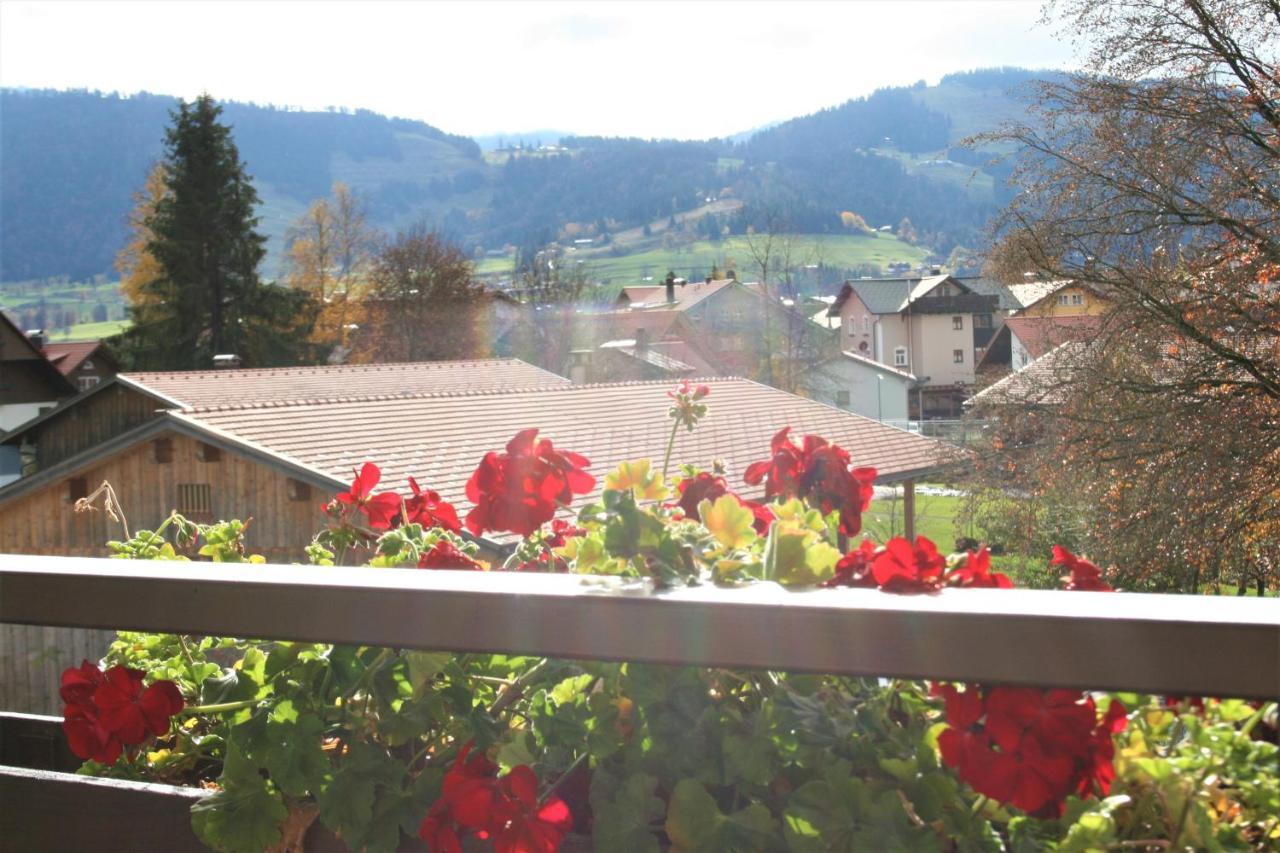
1187, 645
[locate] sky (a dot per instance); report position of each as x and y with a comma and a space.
653, 69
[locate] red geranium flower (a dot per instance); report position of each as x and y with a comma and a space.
132, 712
445, 555
854, 568
1029, 748
903, 567
520, 490
426, 508
704, 486
1085, 576
381, 509
106, 712
976, 572
818, 472
505, 810
87, 737
79, 683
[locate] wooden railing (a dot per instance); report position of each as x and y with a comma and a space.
1193, 645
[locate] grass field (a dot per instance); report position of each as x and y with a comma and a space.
695, 260
89, 331
935, 519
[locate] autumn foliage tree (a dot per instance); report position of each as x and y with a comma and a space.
1150, 176
329, 256
424, 302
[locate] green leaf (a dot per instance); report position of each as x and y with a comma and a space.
729, 521
424, 666
636, 476
293, 754
245, 815
695, 823
346, 803
798, 557
625, 819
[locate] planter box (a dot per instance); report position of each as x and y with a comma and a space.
47, 806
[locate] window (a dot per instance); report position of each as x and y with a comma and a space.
957, 323
866, 323
1077, 299
842, 399
957, 356
900, 356
87, 382
195, 501
208, 453
299, 491
1062, 299
163, 448
982, 321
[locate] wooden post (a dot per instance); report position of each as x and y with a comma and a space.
909, 509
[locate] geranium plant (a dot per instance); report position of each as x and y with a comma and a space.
522, 753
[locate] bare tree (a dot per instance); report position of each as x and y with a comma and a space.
1151, 176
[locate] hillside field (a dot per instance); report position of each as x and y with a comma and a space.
694, 260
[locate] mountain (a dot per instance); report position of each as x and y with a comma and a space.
69, 162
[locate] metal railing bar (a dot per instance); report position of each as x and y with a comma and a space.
1197, 645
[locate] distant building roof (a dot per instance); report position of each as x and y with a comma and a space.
1041, 334
893, 295
650, 356
1044, 382
687, 295
71, 354
269, 385
195, 388
1031, 292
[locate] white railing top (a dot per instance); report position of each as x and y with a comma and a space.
1197, 645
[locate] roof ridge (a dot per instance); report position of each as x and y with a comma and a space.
329, 368
431, 395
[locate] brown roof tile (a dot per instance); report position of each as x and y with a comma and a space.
440, 438
68, 356
1042, 334
201, 388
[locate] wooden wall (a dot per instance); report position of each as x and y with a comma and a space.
92, 421
43, 522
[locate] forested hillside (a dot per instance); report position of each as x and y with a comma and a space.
69, 162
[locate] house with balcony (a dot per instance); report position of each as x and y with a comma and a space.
29, 383
935, 328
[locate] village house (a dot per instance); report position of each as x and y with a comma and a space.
855, 383
84, 363
1052, 313
935, 328
29, 382
128, 400
278, 458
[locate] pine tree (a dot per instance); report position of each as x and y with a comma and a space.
205, 297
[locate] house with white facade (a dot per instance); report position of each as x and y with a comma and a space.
935, 328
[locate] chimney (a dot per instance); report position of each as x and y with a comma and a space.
226, 361
671, 287
642, 340
37, 338
935, 270
708, 280
733, 275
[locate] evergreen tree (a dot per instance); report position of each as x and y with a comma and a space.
205, 297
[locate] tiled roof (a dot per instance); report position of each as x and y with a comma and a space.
68, 356
1031, 292
872, 363
687, 295
1041, 334
650, 356
1044, 382
272, 385
440, 438
884, 295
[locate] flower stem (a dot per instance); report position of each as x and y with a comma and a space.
220, 708
671, 443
